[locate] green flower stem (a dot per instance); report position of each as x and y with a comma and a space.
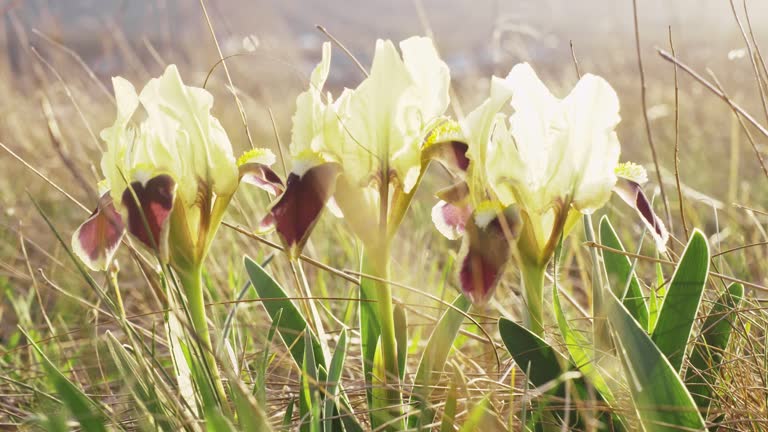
386, 399
386, 317
533, 281
192, 282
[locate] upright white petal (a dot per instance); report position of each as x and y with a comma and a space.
592, 113
176, 109
118, 137
429, 73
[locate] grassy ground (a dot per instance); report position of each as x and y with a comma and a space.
54, 102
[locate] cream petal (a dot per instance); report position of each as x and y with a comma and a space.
200, 141
309, 117
479, 124
429, 73
119, 137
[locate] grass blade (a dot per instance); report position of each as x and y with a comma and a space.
84, 409
401, 336
449, 412
334, 378
433, 360
707, 353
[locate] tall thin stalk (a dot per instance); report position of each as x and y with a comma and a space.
192, 282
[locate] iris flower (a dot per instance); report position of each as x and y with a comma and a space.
532, 175
363, 154
168, 181
169, 178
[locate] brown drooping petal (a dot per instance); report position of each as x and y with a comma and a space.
261, 176
148, 218
297, 210
632, 193
486, 251
452, 154
97, 239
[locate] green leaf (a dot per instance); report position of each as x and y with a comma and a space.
682, 300
334, 377
292, 322
707, 355
84, 409
531, 353
621, 277
433, 359
661, 399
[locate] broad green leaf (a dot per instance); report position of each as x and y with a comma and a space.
334, 377
531, 353
621, 278
434, 357
84, 409
707, 353
292, 323
681, 303
543, 366
660, 398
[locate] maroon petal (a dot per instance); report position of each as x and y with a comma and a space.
148, 218
297, 210
261, 176
632, 193
485, 252
97, 239
452, 154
